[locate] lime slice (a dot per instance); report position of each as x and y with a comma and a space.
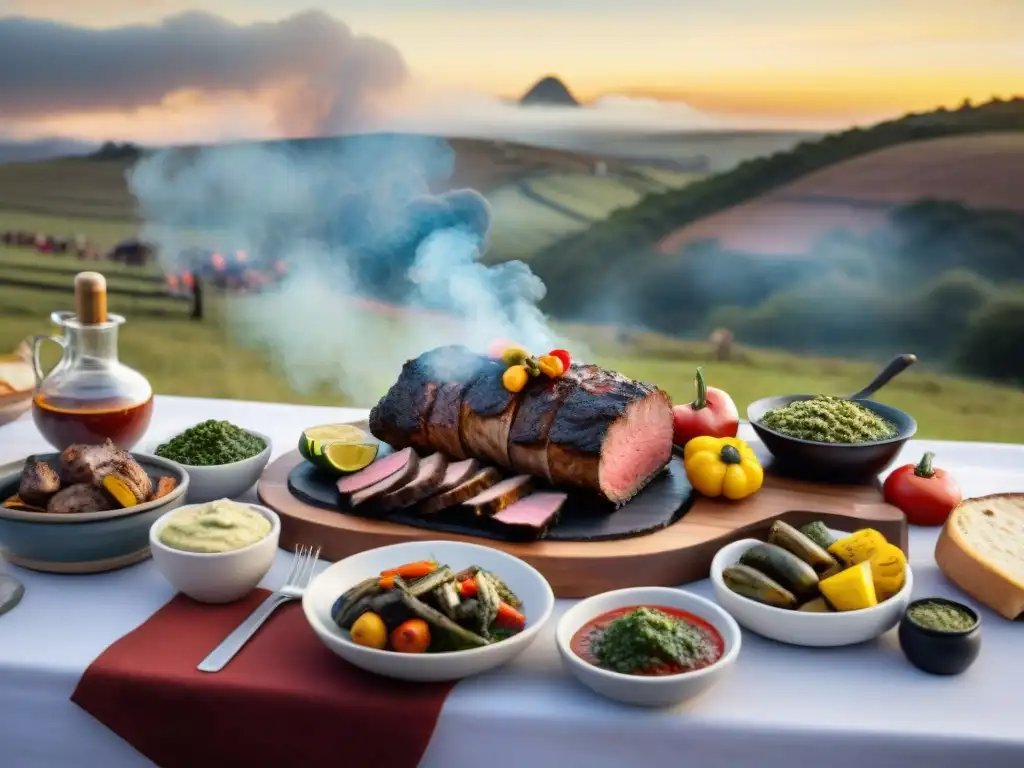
335, 433
349, 457
313, 440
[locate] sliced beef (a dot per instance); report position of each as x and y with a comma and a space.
402, 416
426, 482
458, 473
39, 481
478, 483
528, 437
487, 413
611, 434
390, 483
538, 511
380, 469
498, 497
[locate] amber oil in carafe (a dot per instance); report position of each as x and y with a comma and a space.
90, 396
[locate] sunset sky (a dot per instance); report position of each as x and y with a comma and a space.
805, 63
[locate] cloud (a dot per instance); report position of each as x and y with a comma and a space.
316, 76
474, 114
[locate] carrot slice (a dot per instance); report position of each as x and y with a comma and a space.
508, 617
415, 570
412, 570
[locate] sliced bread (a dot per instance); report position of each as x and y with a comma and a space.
981, 550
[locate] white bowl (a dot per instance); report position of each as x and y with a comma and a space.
216, 577
524, 580
226, 481
799, 628
636, 689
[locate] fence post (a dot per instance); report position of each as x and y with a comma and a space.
197, 299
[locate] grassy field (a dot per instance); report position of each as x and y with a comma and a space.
984, 171
531, 214
207, 359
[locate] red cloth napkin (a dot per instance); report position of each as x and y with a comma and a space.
285, 699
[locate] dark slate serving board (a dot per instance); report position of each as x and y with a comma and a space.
584, 516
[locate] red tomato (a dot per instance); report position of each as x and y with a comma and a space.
926, 495
712, 414
562, 355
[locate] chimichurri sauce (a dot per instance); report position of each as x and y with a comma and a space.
648, 640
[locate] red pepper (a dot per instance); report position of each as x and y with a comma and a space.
925, 494
712, 414
562, 355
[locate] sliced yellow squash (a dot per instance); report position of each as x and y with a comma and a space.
850, 590
888, 571
858, 546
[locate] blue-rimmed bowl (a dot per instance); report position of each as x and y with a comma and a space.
89, 542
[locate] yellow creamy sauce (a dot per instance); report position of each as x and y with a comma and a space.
220, 526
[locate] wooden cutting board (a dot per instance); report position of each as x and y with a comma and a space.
677, 554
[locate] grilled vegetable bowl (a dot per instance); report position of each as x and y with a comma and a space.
428, 611
814, 586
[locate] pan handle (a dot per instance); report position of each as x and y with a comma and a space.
895, 367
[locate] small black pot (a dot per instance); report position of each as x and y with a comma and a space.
938, 652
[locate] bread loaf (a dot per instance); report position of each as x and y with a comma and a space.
981, 550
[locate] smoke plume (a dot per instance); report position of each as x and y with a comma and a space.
360, 233
316, 75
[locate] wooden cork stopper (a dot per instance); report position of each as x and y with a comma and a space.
90, 298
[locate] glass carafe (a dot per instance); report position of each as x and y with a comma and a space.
89, 395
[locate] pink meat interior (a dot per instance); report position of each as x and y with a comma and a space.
535, 509
497, 490
637, 445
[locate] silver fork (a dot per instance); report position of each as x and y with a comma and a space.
295, 584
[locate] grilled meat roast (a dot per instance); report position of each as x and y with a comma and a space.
590, 428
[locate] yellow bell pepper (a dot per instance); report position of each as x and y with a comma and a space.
722, 466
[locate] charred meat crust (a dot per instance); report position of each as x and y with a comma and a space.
402, 418
592, 407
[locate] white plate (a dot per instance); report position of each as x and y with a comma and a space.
805, 628
523, 579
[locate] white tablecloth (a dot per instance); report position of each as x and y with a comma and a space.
856, 706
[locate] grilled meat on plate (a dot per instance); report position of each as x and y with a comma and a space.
590, 428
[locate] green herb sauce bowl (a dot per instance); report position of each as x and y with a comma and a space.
831, 462
226, 481
940, 651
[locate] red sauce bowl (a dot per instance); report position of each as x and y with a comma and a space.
661, 687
